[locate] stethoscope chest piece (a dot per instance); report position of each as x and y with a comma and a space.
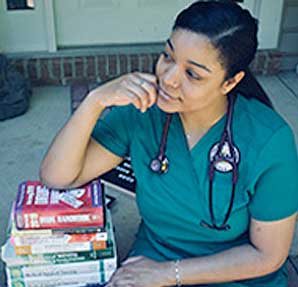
160, 166
225, 159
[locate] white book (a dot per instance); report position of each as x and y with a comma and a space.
63, 281
71, 269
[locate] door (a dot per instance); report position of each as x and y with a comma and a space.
99, 22
23, 30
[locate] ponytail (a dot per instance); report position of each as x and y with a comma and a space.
249, 87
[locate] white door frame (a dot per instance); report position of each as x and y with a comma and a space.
50, 25
269, 28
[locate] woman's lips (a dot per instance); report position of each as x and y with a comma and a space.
165, 95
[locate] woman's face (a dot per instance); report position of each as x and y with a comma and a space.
190, 75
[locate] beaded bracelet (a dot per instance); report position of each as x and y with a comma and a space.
177, 274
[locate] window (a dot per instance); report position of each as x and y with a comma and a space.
20, 4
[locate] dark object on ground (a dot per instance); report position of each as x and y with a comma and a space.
15, 91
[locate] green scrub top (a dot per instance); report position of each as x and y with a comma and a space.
172, 205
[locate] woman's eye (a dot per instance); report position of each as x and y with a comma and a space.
192, 75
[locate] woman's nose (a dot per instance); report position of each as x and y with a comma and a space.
171, 77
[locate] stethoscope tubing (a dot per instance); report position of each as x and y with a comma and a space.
231, 159
162, 147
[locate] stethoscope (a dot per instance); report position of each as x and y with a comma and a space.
224, 157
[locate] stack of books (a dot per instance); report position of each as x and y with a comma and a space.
59, 237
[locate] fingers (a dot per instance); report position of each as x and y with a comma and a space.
142, 87
149, 83
134, 99
131, 259
148, 77
140, 94
121, 279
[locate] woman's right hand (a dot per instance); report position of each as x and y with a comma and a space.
139, 89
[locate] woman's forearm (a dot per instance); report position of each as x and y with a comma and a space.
238, 263
65, 156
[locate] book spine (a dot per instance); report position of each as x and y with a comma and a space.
60, 258
71, 269
50, 220
56, 232
92, 279
12, 231
58, 248
58, 239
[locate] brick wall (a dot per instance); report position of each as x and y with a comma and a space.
65, 70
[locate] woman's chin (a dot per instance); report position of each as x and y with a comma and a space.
164, 106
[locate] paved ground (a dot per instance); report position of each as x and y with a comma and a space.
24, 140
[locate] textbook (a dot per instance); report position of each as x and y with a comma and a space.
43, 250
10, 257
63, 247
21, 272
79, 280
73, 234
40, 207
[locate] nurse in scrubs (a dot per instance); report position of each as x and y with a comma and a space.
216, 166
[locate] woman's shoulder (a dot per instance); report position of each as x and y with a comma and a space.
263, 115
260, 122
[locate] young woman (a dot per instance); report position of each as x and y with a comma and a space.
216, 167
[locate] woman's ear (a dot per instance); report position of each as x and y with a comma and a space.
231, 83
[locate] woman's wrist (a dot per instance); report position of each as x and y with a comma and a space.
173, 273
96, 99
177, 272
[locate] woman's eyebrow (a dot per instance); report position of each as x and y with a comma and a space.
170, 44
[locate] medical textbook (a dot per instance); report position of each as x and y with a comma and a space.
97, 279
40, 207
14, 253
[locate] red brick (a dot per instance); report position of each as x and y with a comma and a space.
123, 64
56, 67
67, 64
91, 66
44, 67
101, 65
275, 54
112, 65
134, 62
79, 67
32, 72
145, 63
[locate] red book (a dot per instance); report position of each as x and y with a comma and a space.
40, 207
